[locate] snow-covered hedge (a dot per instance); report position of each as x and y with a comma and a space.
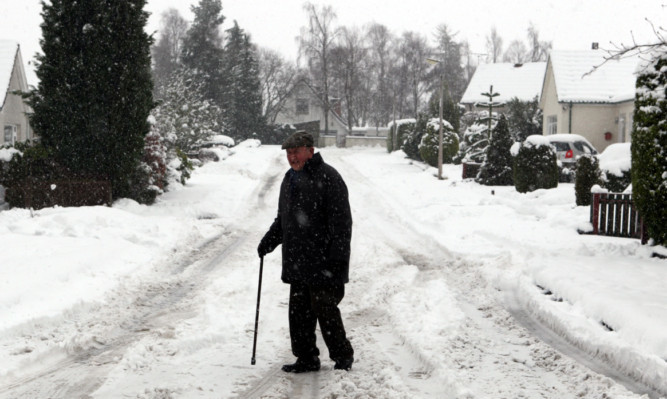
615, 166
428, 147
535, 164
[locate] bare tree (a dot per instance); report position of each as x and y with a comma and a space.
167, 51
413, 51
315, 43
516, 53
470, 66
380, 56
350, 56
494, 46
451, 66
276, 77
645, 51
538, 50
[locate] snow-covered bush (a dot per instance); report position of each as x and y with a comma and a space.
496, 170
475, 140
184, 118
428, 147
150, 178
413, 138
615, 166
588, 175
399, 129
535, 165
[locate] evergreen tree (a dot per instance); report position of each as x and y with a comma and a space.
649, 147
588, 175
496, 169
524, 118
95, 89
184, 118
428, 148
474, 142
535, 165
202, 51
243, 96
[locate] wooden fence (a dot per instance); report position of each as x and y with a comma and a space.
615, 215
42, 194
470, 170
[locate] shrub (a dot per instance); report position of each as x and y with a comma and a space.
615, 183
588, 175
475, 140
496, 170
34, 178
428, 148
616, 167
649, 147
404, 126
412, 138
534, 165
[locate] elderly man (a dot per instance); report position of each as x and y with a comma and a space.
314, 226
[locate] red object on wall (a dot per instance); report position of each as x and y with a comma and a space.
607, 136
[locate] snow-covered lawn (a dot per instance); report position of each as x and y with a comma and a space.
415, 238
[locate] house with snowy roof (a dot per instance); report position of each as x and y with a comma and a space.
585, 95
303, 107
522, 81
13, 110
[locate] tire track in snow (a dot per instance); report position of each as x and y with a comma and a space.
84, 366
490, 343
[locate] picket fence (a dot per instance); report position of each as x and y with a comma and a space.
614, 214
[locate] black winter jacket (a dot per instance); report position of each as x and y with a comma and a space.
314, 225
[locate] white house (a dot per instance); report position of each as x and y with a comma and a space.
13, 110
595, 103
303, 106
522, 81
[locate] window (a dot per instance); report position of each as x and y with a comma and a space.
561, 146
10, 134
621, 128
552, 124
301, 106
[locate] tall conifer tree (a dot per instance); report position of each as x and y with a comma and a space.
243, 96
649, 146
95, 88
202, 51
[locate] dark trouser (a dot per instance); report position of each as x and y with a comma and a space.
307, 306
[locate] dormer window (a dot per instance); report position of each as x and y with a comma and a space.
302, 106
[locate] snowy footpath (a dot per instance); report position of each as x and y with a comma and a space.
456, 291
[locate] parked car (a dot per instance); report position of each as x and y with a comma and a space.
569, 147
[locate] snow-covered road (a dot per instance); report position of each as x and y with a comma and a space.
426, 309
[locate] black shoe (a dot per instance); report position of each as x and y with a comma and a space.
303, 365
344, 364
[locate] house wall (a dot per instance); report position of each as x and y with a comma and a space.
14, 110
302, 93
593, 121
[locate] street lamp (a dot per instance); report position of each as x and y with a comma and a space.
434, 61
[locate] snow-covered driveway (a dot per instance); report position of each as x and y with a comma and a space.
432, 274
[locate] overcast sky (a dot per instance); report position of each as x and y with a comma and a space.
568, 24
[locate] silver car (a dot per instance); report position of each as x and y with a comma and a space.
569, 147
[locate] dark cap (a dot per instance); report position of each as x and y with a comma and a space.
301, 138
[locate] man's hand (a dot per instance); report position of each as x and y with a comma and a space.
262, 249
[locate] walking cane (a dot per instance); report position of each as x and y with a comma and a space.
259, 295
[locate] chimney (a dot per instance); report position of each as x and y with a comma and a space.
594, 46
